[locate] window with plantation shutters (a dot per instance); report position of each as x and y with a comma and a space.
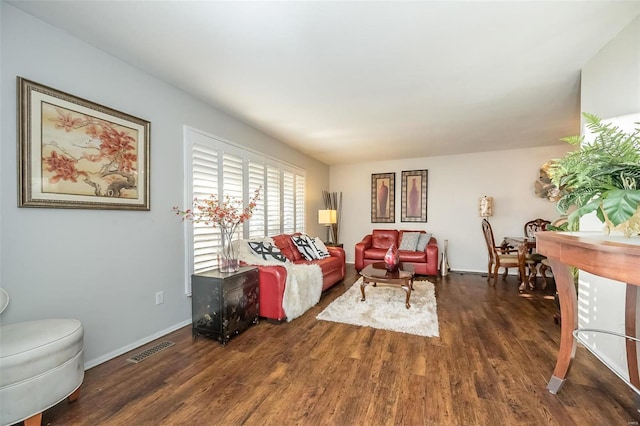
213, 166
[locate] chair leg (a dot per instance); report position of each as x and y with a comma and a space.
543, 272
74, 396
35, 420
496, 267
531, 276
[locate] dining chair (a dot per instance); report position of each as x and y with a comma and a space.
530, 229
504, 257
536, 225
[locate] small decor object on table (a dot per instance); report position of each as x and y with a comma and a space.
223, 305
392, 258
444, 263
225, 214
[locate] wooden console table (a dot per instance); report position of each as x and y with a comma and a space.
615, 258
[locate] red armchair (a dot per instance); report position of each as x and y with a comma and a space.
374, 246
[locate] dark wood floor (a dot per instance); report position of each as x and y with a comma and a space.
489, 366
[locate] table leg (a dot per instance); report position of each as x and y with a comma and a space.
362, 285
569, 314
407, 289
630, 329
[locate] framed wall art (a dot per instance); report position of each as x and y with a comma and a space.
383, 208
414, 196
74, 153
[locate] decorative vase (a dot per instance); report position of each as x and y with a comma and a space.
629, 227
444, 261
392, 259
227, 260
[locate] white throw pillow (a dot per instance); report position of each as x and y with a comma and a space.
409, 241
320, 248
423, 241
242, 250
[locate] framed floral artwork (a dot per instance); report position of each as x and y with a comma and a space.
74, 153
383, 208
414, 196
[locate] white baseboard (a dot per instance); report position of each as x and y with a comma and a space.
96, 361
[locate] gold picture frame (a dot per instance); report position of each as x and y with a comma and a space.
73, 153
414, 195
383, 208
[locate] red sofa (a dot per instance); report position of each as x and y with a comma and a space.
374, 246
272, 278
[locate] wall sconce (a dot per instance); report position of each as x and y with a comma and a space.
327, 218
485, 206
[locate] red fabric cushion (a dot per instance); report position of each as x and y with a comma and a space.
376, 254
327, 265
413, 256
383, 238
286, 246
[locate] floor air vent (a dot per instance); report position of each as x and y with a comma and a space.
151, 351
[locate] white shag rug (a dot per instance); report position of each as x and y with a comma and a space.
384, 308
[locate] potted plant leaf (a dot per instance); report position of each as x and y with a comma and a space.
601, 176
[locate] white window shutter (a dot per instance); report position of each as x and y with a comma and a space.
288, 202
273, 200
256, 180
299, 197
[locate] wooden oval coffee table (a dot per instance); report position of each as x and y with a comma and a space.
377, 273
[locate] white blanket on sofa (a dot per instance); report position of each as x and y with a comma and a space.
303, 286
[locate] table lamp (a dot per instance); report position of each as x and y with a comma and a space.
327, 218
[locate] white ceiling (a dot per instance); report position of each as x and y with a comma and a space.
362, 81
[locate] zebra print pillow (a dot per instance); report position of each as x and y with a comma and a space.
320, 248
303, 243
310, 248
267, 251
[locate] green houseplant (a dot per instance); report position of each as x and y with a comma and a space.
601, 176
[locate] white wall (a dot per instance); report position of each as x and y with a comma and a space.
610, 88
456, 183
104, 267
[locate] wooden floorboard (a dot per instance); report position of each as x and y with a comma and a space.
489, 366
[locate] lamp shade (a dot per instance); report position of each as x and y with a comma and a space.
485, 206
327, 217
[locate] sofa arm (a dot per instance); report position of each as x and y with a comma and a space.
272, 280
337, 252
432, 256
340, 254
360, 248
431, 248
